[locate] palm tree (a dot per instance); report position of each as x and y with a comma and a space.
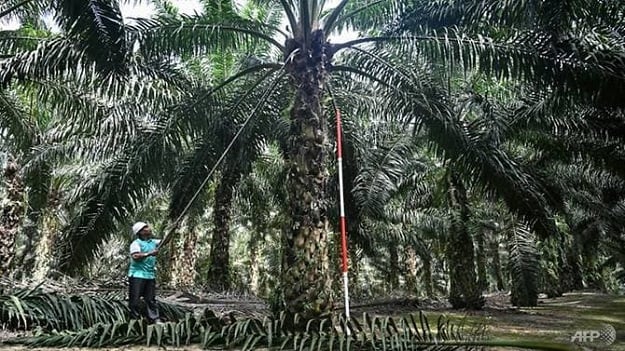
262, 204
27, 130
80, 72
215, 141
305, 59
20, 133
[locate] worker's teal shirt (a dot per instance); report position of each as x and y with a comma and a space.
145, 268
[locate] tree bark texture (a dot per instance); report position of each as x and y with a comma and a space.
482, 280
11, 215
496, 267
39, 197
411, 271
464, 291
524, 267
393, 276
219, 269
184, 257
428, 284
305, 277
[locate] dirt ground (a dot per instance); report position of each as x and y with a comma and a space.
554, 320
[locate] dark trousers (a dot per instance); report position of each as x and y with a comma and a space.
145, 288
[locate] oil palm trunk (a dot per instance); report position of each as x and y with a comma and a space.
183, 258
305, 279
464, 291
219, 271
428, 283
482, 280
411, 271
11, 215
38, 184
496, 267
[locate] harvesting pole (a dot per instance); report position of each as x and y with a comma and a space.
344, 266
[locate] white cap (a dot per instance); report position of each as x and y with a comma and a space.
136, 228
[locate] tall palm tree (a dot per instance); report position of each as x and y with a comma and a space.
304, 61
26, 128
19, 132
80, 72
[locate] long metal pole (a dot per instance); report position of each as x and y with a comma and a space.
339, 151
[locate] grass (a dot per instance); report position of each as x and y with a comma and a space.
555, 320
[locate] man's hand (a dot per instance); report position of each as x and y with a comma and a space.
153, 252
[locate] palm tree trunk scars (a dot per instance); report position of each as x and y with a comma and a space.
464, 291
550, 252
183, 260
38, 196
572, 277
393, 276
355, 258
254, 266
305, 277
12, 210
524, 266
25, 259
50, 228
411, 271
219, 271
482, 280
497, 271
428, 284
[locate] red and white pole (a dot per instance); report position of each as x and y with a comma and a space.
339, 151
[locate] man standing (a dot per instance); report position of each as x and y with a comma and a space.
142, 272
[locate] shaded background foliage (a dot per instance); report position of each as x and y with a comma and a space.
483, 146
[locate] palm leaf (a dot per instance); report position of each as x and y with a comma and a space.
27, 308
15, 122
196, 36
482, 160
218, 135
524, 266
108, 197
100, 27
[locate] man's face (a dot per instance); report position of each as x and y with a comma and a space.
145, 232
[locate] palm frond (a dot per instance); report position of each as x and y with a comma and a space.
482, 14
380, 175
366, 333
193, 36
239, 109
467, 144
529, 56
364, 16
100, 27
15, 122
554, 16
108, 197
19, 9
57, 57
524, 266
30, 308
